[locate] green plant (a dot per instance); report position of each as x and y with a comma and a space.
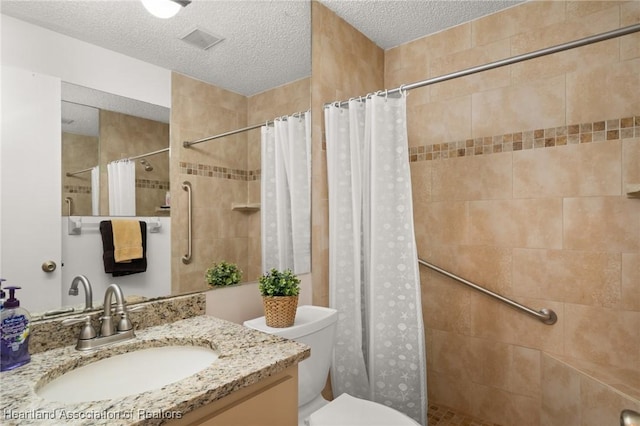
223, 274
279, 283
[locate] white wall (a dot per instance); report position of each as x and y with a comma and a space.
43, 51
82, 255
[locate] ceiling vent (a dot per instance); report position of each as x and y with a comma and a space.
201, 39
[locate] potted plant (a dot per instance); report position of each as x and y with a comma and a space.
279, 290
223, 274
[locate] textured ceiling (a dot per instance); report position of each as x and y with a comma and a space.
267, 42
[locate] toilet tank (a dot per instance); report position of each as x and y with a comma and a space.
315, 326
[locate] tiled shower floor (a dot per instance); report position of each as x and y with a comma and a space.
439, 415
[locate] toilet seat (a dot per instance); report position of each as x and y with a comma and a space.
347, 410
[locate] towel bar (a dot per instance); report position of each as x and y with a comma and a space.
76, 225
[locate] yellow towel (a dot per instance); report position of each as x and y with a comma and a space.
127, 240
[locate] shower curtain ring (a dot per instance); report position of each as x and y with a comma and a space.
386, 94
402, 89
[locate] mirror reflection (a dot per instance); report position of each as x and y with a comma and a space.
261, 71
100, 128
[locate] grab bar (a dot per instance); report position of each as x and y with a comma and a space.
629, 418
186, 259
546, 316
69, 201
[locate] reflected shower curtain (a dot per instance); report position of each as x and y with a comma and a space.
95, 191
286, 194
374, 280
122, 188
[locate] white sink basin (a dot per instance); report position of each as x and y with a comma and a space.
128, 374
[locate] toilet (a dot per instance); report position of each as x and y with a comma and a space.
315, 326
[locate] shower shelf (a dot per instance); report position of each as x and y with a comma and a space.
246, 207
633, 190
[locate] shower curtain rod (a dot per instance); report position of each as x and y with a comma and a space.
187, 144
79, 171
508, 61
148, 154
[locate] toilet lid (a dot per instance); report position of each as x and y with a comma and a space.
348, 410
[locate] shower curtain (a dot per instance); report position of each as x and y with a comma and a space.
374, 281
286, 194
122, 188
95, 191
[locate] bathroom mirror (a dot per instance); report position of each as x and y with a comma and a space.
100, 127
278, 28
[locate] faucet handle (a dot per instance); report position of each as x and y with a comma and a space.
87, 332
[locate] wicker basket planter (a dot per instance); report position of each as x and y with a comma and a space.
279, 290
280, 311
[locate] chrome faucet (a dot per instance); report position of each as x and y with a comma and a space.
88, 293
107, 328
89, 339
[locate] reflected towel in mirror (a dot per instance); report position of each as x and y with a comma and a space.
108, 256
127, 240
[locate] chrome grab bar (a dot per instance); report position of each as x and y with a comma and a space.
186, 259
544, 315
629, 418
69, 201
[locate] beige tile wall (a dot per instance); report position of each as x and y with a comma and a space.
222, 172
573, 397
519, 177
199, 110
123, 136
344, 64
79, 152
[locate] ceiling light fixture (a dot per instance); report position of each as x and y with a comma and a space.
164, 8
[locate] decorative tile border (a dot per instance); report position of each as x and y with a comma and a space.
152, 184
599, 131
218, 172
77, 189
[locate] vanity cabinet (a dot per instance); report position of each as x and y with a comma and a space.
271, 402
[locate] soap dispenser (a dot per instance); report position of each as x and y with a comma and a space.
14, 333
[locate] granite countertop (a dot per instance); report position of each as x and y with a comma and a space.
245, 357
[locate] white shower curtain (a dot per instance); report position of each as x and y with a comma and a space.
95, 191
374, 280
286, 194
122, 188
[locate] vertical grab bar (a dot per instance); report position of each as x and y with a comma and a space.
68, 200
186, 259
